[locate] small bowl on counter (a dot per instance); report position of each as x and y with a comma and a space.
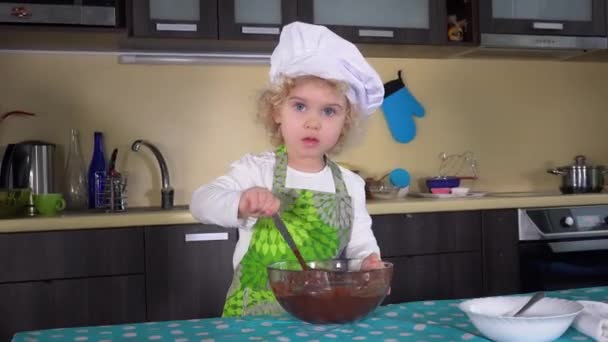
442, 182
378, 189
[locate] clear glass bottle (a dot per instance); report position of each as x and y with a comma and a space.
97, 166
75, 174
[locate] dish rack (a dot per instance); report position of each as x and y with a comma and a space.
111, 195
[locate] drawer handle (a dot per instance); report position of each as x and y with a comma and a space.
206, 237
377, 33
260, 30
548, 26
176, 27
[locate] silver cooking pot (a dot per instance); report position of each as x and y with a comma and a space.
580, 177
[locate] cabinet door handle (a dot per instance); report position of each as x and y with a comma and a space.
176, 27
260, 30
377, 33
548, 26
206, 237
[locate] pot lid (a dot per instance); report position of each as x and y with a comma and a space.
580, 162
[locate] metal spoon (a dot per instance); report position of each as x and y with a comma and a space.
535, 298
278, 222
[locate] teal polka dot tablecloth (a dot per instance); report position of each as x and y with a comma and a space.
415, 321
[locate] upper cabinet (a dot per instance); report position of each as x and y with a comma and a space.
380, 21
176, 18
544, 17
255, 19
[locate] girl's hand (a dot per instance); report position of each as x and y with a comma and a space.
256, 202
371, 262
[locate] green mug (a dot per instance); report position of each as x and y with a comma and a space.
49, 204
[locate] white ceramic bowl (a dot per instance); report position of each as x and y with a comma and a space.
546, 320
459, 191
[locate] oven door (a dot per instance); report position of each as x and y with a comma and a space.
563, 264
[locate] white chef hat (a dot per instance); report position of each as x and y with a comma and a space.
306, 49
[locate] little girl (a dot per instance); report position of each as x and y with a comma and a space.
320, 86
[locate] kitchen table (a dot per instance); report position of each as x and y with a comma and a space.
415, 321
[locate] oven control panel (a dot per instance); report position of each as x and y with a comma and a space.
574, 221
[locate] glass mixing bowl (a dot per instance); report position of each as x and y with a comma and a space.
333, 291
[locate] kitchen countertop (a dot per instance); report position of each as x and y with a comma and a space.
181, 215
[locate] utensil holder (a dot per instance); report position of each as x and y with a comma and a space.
112, 195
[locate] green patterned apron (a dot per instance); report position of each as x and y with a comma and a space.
320, 224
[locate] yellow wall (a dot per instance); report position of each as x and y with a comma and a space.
519, 117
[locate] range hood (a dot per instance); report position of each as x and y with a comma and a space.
525, 46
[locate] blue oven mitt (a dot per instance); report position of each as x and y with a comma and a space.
398, 107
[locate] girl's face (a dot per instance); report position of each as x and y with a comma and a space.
311, 118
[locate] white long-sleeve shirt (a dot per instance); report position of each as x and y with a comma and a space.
217, 202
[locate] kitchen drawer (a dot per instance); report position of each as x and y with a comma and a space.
188, 270
71, 254
501, 252
435, 277
70, 303
427, 233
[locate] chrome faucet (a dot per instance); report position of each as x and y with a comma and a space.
167, 190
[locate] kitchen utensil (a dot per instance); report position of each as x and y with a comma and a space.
333, 291
15, 113
30, 164
440, 190
278, 222
112, 165
459, 191
442, 182
537, 296
378, 189
545, 321
580, 177
13, 202
399, 107
394, 184
452, 165
112, 195
49, 204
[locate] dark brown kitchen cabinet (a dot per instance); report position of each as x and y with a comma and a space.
500, 252
258, 20
70, 254
435, 255
428, 233
385, 21
434, 277
188, 270
174, 19
71, 278
70, 303
544, 17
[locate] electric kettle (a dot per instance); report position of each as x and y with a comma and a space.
30, 164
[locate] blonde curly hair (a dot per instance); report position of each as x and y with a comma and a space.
273, 97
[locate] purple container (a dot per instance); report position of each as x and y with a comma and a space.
442, 182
